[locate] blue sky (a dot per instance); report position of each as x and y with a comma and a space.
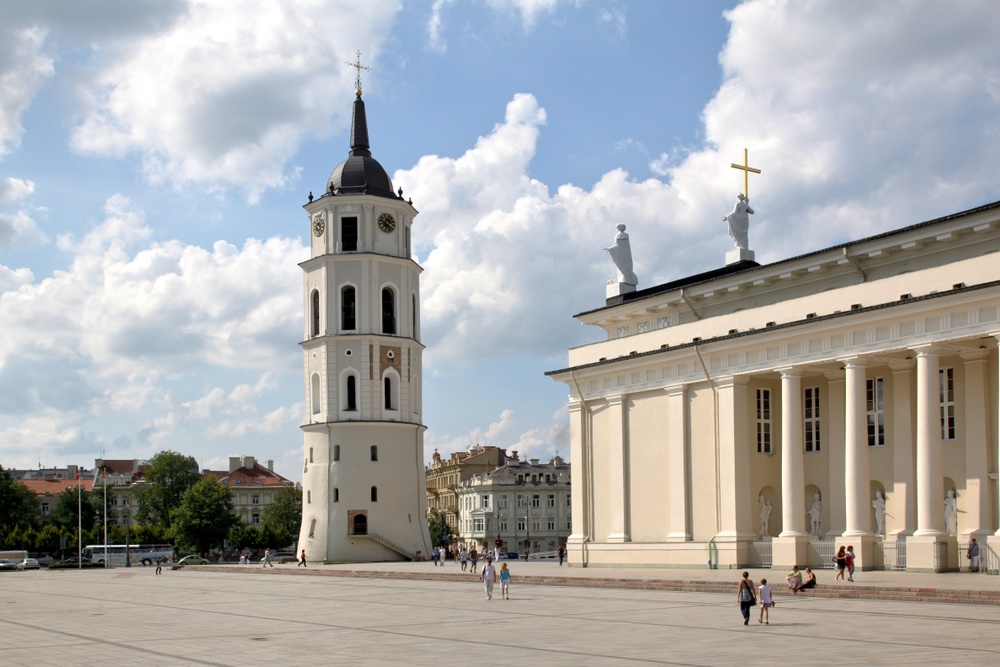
154, 158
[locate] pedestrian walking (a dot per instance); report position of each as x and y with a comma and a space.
489, 577
562, 554
504, 582
302, 559
267, 558
463, 556
434, 556
849, 561
746, 597
973, 555
474, 557
841, 560
159, 564
766, 602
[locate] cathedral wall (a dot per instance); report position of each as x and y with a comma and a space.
649, 466
765, 469
705, 518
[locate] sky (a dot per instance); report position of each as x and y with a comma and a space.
155, 157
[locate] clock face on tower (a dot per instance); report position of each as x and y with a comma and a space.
319, 225
386, 223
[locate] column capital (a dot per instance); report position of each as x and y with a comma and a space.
675, 390
616, 399
927, 350
790, 371
852, 362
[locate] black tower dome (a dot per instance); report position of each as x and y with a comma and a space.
360, 173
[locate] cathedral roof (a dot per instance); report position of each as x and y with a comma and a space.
360, 173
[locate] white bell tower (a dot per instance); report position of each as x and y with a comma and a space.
363, 478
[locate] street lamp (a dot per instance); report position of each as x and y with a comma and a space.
128, 526
79, 523
104, 483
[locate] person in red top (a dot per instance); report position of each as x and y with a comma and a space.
302, 560
849, 560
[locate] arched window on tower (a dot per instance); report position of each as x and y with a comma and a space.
388, 311
413, 314
374, 494
389, 393
336, 452
349, 234
336, 495
348, 319
314, 330
351, 393
374, 452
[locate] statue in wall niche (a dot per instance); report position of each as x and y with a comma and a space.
951, 513
765, 514
880, 514
816, 516
621, 255
739, 222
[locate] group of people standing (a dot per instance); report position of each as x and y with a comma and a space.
845, 561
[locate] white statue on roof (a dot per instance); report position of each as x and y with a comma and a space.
739, 222
621, 255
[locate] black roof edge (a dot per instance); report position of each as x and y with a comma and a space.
785, 325
747, 266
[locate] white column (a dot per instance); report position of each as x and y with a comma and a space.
857, 477
930, 483
677, 473
793, 518
617, 471
835, 422
580, 450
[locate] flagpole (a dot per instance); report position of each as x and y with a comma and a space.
104, 481
79, 523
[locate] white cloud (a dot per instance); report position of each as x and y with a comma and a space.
269, 423
14, 189
23, 71
224, 96
435, 26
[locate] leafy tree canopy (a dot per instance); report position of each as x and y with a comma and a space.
205, 515
64, 514
169, 476
18, 506
283, 517
438, 528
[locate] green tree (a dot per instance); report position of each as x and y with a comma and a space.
168, 477
205, 515
283, 517
244, 536
438, 528
65, 512
18, 505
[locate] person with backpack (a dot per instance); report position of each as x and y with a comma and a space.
746, 597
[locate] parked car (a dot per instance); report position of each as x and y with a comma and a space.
193, 560
509, 555
29, 564
7, 564
75, 560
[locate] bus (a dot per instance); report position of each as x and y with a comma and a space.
138, 554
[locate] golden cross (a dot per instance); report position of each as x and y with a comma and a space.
357, 79
746, 168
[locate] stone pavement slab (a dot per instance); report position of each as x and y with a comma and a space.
223, 616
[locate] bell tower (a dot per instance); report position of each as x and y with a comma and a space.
363, 476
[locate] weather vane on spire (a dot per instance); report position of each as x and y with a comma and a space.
358, 66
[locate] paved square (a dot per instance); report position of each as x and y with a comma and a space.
229, 618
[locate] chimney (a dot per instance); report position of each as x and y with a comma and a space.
270, 465
234, 463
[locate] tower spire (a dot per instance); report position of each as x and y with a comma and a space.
359, 122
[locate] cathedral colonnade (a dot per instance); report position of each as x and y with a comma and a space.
897, 423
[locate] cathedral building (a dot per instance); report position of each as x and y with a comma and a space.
848, 396
363, 471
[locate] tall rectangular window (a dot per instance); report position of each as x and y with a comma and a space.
551, 500
947, 376
521, 524
810, 405
536, 501
875, 401
763, 421
348, 234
